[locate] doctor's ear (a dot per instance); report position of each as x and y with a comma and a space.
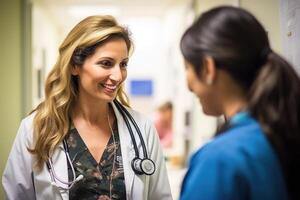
209, 70
75, 70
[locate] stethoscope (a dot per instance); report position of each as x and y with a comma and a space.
55, 178
140, 166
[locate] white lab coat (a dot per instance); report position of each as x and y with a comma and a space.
21, 181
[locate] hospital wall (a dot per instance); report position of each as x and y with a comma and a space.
10, 76
46, 37
267, 12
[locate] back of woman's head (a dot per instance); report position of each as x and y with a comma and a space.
232, 37
239, 45
52, 116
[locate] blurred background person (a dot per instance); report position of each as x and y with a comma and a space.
232, 69
163, 119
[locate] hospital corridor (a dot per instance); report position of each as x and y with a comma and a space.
166, 122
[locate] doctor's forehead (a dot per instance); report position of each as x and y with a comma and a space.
116, 48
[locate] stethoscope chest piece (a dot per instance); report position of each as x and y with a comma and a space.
143, 166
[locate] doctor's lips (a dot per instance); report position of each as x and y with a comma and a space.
109, 88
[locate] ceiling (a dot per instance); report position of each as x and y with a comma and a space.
66, 13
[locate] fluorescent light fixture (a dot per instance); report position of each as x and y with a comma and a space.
84, 11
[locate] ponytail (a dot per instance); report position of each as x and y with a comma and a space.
274, 100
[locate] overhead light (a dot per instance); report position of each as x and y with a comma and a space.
84, 11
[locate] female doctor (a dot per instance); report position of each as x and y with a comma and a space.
81, 142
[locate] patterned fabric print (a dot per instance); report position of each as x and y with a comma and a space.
97, 176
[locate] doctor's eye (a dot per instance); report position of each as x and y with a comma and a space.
124, 64
106, 63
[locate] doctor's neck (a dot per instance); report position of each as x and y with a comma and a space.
92, 113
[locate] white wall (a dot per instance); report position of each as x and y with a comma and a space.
267, 12
45, 48
290, 31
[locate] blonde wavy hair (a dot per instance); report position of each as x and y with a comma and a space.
52, 116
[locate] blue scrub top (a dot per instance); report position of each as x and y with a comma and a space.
238, 164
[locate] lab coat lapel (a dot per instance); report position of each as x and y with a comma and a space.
127, 151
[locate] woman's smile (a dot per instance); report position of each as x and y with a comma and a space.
108, 88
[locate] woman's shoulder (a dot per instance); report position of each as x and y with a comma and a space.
27, 123
244, 138
29, 118
241, 144
25, 131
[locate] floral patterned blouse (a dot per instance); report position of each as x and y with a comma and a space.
97, 176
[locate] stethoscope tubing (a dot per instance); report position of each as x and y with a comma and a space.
136, 127
53, 174
129, 128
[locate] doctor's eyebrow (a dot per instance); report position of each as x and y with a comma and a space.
111, 58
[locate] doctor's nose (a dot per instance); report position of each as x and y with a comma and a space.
116, 74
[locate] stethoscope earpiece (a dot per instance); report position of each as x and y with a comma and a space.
79, 178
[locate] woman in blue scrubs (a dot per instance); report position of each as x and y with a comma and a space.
231, 67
